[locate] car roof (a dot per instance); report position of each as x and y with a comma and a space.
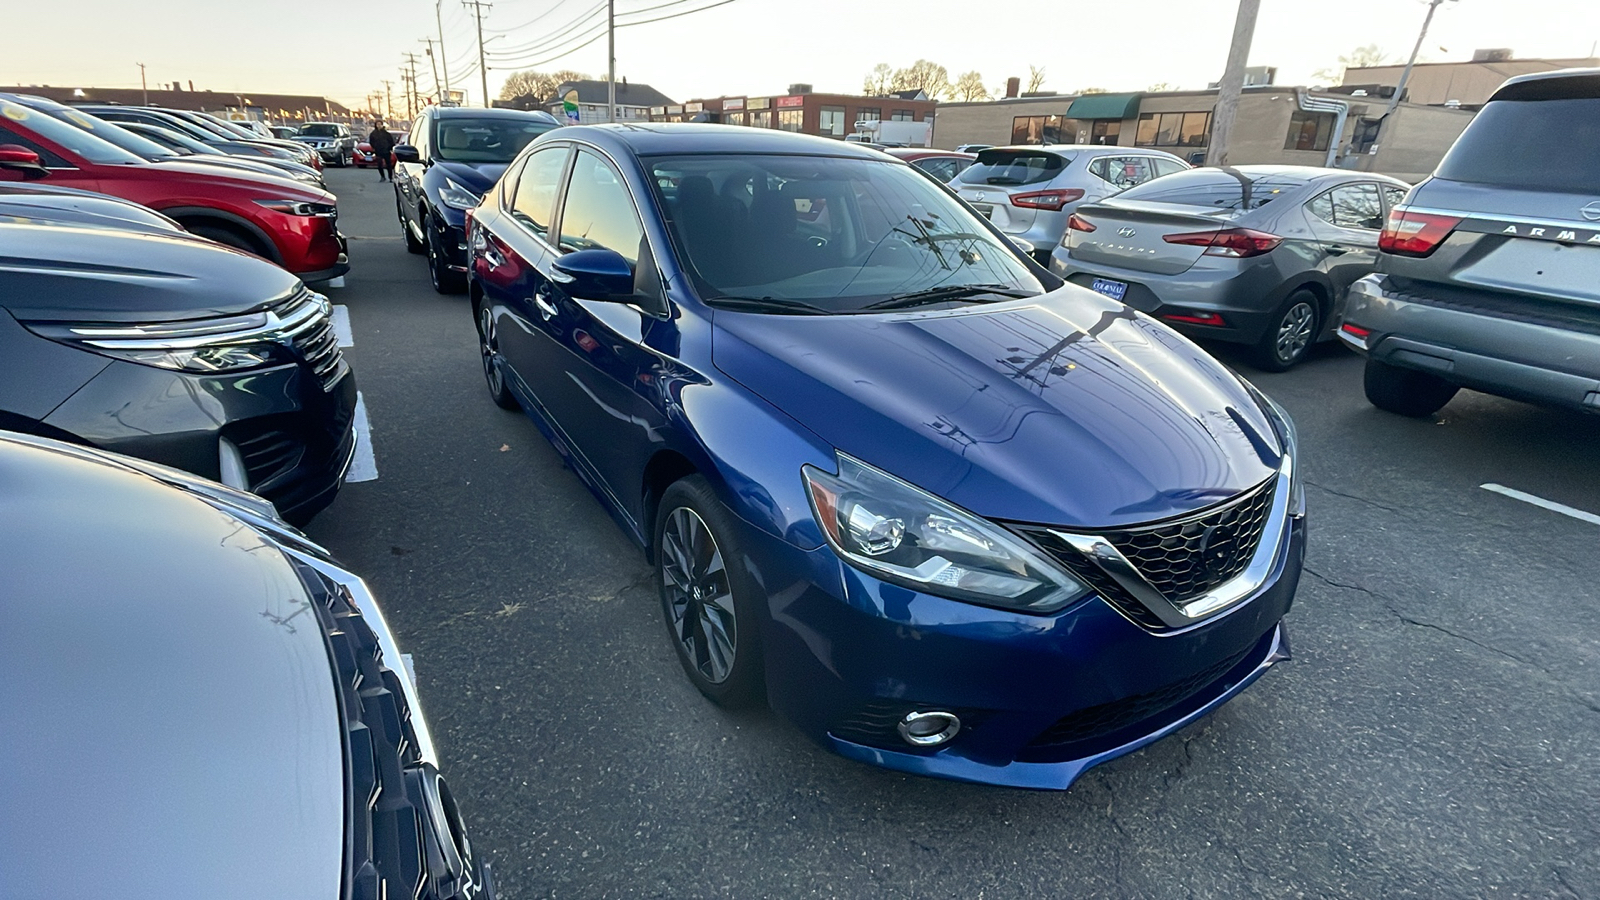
1087, 149
910, 153
1557, 84
658, 138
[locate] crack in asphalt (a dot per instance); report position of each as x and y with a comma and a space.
1392, 605
1400, 511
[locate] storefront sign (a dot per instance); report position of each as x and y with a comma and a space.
789, 102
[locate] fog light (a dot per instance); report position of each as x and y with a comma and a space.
929, 729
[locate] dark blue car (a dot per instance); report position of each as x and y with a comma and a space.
450, 158
949, 514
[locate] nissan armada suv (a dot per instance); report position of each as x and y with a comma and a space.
1489, 272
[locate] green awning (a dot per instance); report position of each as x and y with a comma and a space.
1104, 106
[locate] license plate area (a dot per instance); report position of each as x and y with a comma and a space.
984, 210
1116, 290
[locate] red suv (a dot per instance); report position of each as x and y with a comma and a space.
275, 218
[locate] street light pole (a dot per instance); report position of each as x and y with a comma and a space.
1232, 83
611, 60
438, 19
483, 68
1405, 76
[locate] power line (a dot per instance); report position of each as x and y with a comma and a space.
556, 36
531, 21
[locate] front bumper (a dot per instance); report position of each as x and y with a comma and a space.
294, 437
451, 237
1473, 344
1245, 298
847, 655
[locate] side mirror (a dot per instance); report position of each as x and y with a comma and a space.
406, 153
17, 158
597, 274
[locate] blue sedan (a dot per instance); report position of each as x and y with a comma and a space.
944, 511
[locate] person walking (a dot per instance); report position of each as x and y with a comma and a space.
382, 144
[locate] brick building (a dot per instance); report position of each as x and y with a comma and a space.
801, 110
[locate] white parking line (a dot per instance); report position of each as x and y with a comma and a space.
1542, 503
341, 325
364, 465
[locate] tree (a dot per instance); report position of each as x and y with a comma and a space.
1093, 91
1161, 87
877, 81
922, 75
542, 86
969, 87
1360, 57
1035, 78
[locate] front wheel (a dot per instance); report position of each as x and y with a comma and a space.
1406, 392
489, 349
708, 603
1291, 334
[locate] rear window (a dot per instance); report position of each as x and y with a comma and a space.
1007, 167
1541, 145
1212, 189
320, 130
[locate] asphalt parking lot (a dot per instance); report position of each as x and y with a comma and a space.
1437, 734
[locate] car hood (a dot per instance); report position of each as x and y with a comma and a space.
168, 697
1067, 409
50, 273
262, 185
475, 177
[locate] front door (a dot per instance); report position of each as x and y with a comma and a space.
1347, 221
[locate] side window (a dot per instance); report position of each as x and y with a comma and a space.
1167, 166
1101, 168
1136, 170
1392, 196
535, 199
942, 169
1322, 207
1357, 206
49, 159
598, 211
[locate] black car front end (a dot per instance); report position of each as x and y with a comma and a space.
263, 401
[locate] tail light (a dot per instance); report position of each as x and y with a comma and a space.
1411, 233
1197, 318
1051, 200
1235, 243
1079, 223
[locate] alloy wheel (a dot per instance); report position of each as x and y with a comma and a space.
1294, 331
699, 596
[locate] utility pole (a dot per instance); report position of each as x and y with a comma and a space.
444, 63
142, 89
1405, 76
611, 60
1232, 83
433, 61
388, 100
483, 68
411, 59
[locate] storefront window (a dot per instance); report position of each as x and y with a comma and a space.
790, 119
1105, 131
1037, 130
1188, 129
762, 119
736, 118
831, 122
1309, 131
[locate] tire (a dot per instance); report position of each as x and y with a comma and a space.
229, 236
1290, 336
412, 244
444, 280
489, 349
709, 608
1406, 392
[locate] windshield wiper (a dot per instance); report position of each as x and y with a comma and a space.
946, 292
769, 304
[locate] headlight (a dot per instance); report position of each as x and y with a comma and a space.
301, 208
227, 344
905, 535
457, 197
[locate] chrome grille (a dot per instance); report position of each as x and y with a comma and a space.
1182, 559
311, 334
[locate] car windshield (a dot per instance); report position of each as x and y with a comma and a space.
319, 131
1540, 145
138, 145
485, 140
1214, 189
836, 234
70, 137
1013, 167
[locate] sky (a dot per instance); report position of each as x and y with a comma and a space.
344, 49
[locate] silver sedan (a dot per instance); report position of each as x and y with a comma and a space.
1254, 255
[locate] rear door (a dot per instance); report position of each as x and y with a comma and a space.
1347, 221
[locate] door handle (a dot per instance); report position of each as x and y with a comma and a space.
546, 308
1337, 249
